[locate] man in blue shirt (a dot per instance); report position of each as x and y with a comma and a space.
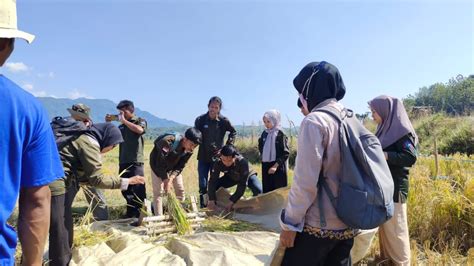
29, 159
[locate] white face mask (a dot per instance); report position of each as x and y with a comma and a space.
306, 85
303, 101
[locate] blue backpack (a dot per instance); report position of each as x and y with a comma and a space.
365, 197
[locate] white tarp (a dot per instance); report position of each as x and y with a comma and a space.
127, 246
265, 210
239, 248
130, 246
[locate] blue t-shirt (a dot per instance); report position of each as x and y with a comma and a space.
28, 155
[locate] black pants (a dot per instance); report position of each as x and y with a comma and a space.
60, 231
310, 250
135, 194
277, 180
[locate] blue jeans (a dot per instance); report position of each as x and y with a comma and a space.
253, 183
203, 170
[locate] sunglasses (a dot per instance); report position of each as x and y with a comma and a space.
78, 109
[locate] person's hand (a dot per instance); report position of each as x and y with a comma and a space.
166, 185
229, 206
212, 205
287, 238
272, 170
135, 180
386, 155
121, 117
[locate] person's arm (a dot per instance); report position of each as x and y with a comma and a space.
303, 190
244, 171
285, 150
232, 132
40, 165
260, 144
406, 154
197, 123
178, 168
136, 128
90, 159
33, 222
161, 150
211, 186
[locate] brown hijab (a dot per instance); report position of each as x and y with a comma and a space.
395, 122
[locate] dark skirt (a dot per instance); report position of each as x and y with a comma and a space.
277, 180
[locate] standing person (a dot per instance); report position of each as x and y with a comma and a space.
29, 159
167, 160
94, 196
81, 159
273, 147
308, 241
131, 156
236, 171
398, 139
213, 127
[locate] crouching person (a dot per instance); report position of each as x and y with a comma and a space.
167, 160
236, 171
81, 159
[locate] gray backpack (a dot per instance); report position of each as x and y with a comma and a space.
365, 198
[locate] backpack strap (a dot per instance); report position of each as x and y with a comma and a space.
322, 184
177, 140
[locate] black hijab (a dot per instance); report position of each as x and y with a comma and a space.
106, 134
319, 81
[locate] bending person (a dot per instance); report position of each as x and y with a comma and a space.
81, 159
236, 171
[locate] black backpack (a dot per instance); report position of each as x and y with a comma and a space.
67, 129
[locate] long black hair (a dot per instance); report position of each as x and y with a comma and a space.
215, 99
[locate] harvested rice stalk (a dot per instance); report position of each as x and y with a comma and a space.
177, 214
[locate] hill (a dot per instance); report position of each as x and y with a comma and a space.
100, 107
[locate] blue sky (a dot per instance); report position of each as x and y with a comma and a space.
170, 57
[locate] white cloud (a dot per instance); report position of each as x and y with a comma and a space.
74, 94
31, 88
16, 67
50, 75
28, 87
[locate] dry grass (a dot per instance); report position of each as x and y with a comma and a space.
440, 210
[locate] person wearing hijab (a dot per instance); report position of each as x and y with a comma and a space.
399, 140
81, 159
273, 147
307, 240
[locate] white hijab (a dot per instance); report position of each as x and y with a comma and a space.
269, 148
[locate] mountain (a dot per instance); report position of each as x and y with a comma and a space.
99, 108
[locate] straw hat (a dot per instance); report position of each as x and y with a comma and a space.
8, 22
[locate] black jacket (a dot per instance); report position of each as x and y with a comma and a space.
401, 156
164, 160
281, 146
239, 173
213, 132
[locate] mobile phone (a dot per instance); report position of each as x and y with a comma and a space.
113, 117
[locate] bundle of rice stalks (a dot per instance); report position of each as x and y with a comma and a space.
177, 214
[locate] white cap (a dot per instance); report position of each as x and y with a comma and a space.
8, 22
